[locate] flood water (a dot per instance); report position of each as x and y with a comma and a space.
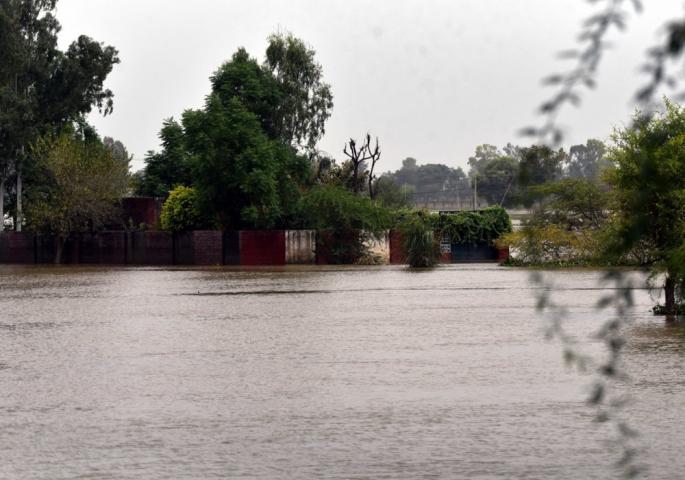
359, 372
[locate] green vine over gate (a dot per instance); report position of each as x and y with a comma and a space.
480, 227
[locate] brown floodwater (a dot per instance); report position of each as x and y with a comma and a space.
336, 373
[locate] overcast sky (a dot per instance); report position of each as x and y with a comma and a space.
431, 78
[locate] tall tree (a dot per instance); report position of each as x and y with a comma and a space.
497, 182
81, 183
287, 98
586, 161
118, 149
306, 100
41, 87
484, 154
256, 88
649, 188
540, 164
243, 178
170, 167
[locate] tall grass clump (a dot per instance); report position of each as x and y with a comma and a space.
420, 246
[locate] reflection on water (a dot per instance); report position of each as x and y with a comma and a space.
312, 372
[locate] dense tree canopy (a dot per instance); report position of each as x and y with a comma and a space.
42, 88
305, 99
166, 169
587, 161
430, 178
80, 183
241, 150
648, 179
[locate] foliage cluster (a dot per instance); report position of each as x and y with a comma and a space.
506, 177
43, 90
352, 221
551, 245
635, 216
81, 183
245, 151
648, 184
481, 227
181, 211
419, 241
335, 208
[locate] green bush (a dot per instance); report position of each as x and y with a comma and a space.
180, 212
349, 218
481, 227
551, 245
419, 242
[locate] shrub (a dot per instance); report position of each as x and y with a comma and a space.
419, 242
350, 218
551, 244
181, 212
481, 227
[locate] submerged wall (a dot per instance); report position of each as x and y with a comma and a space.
379, 247
213, 247
262, 247
300, 246
17, 247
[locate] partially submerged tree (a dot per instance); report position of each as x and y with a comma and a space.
649, 187
81, 185
419, 241
349, 218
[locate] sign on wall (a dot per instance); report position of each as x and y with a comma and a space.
445, 244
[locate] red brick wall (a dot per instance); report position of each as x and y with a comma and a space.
262, 247
112, 248
397, 255
17, 247
324, 239
502, 254
445, 258
150, 248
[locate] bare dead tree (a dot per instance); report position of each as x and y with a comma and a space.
375, 155
357, 156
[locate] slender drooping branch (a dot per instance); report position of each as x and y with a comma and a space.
608, 371
612, 15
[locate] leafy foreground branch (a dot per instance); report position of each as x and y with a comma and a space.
609, 371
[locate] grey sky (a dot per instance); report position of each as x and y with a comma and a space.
431, 78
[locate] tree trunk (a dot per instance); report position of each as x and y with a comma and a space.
2, 204
20, 209
59, 248
669, 291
